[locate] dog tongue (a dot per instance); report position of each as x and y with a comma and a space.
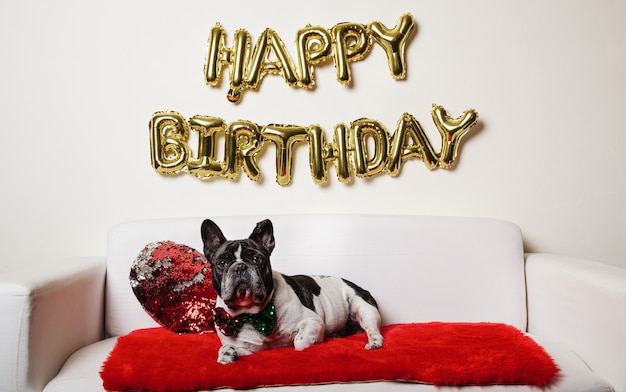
243, 292
243, 297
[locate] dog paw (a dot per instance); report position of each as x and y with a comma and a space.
374, 343
311, 332
227, 354
301, 342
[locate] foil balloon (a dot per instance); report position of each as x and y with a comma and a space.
363, 149
451, 130
318, 154
213, 64
342, 44
352, 43
285, 137
209, 129
245, 144
410, 140
269, 57
169, 133
364, 129
240, 56
394, 42
337, 152
314, 45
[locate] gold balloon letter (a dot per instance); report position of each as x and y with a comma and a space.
260, 64
343, 43
410, 141
451, 130
168, 136
246, 144
240, 56
314, 45
350, 149
351, 44
394, 41
285, 137
337, 152
363, 129
208, 128
213, 64
318, 153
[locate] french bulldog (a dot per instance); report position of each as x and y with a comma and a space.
258, 308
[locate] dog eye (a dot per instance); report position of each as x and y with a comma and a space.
221, 263
256, 259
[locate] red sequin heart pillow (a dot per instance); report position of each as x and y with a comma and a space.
173, 284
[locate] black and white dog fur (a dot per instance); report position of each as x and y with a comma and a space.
307, 308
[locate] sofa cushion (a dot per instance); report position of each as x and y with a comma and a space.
173, 284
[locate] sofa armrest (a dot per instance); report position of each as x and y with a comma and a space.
582, 304
47, 313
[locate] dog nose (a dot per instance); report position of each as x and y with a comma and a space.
240, 268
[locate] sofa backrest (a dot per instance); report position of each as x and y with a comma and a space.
418, 268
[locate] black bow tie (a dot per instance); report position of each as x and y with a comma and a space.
263, 322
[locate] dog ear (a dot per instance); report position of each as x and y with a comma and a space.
264, 234
212, 238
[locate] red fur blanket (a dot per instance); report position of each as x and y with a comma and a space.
437, 353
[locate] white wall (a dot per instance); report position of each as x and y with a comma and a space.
79, 82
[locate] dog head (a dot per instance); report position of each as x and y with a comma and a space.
241, 269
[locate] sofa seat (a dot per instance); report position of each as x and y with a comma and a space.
81, 373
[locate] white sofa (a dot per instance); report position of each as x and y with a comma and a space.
59, 323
